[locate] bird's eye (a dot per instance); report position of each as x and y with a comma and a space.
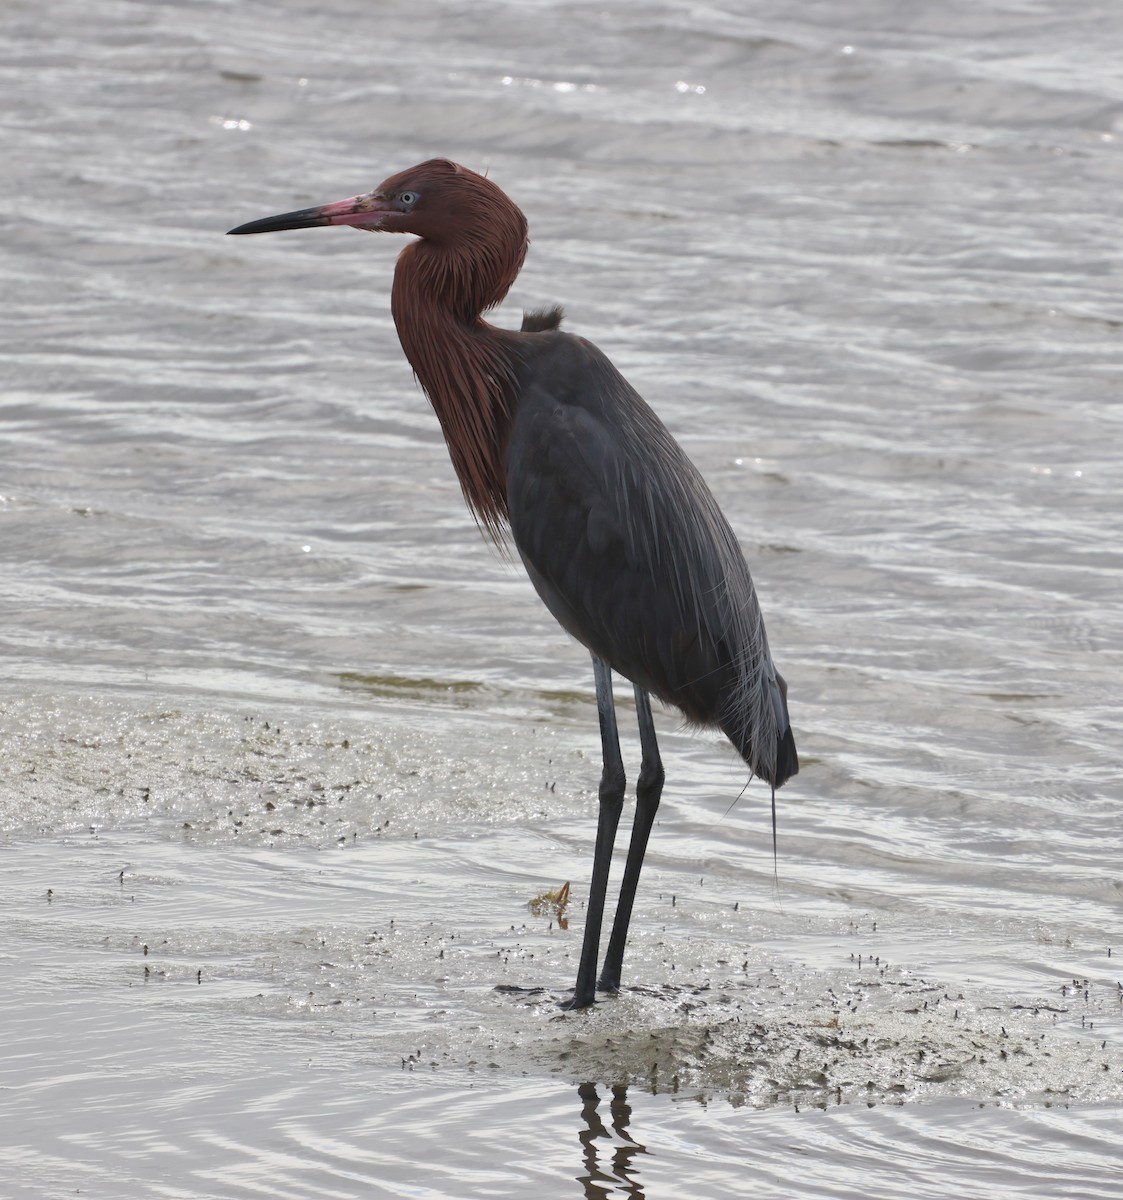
408, 198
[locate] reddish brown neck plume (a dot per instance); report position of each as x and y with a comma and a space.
441, 286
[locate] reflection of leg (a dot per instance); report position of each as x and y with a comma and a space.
649, 787
622, 1159
621, 1113
611, 802
594, 1180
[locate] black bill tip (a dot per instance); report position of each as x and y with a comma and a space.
303, 218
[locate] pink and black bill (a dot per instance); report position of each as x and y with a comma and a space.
362, 212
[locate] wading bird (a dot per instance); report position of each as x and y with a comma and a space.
619, 533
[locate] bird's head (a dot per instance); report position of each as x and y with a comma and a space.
470, 223
437, 200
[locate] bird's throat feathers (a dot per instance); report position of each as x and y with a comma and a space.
467, 369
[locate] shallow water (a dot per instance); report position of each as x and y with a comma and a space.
288, 749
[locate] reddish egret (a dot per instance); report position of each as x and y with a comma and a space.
619, 533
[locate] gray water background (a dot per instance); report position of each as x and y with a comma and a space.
287, 748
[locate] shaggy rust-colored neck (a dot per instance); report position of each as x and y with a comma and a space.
465, 365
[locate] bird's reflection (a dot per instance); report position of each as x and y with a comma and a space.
608, 1154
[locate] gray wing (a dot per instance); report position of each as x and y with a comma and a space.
628, 549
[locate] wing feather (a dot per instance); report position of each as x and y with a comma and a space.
628, 549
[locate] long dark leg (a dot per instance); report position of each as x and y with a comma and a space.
649, 787
611, 802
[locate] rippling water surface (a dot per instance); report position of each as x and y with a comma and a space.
287, 749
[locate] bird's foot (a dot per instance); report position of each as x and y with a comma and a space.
576, 1002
